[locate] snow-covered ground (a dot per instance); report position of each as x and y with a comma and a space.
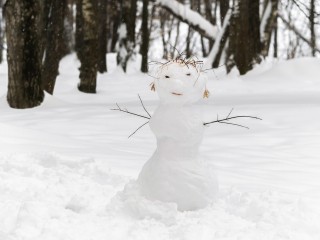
63, 165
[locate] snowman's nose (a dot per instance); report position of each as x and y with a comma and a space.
177, 82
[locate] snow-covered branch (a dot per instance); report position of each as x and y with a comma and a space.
192, 18
215, 48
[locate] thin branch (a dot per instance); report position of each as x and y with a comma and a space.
126, 111
234, 124
230, 113
144, 106
138, 129
296, 31
228, 118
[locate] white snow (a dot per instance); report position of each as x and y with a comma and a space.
63, 165
190, 16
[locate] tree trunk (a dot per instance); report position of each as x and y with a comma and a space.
87, 44
312, 25
68, 42
114, 20
23, 31
126, 32
145, 37
1, 35
245, 43
275, 39
269, 18
209, 16
53, 51
102, 63
224, 7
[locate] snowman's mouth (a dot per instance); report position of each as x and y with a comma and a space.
177, 94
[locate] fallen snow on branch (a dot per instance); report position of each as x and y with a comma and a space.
215, 48
191, 17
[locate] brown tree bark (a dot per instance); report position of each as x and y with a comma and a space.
53, 51
87, 44
114, 20
23, 32
102, 28
245, 46
127, 32
312, 28
270, 25
1, 35
224, 7
145, 36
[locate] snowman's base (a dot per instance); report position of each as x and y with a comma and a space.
191, 185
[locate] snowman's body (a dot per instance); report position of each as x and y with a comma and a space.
176, 173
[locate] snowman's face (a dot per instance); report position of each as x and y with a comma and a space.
179, 83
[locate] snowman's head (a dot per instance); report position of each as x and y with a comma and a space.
180, 82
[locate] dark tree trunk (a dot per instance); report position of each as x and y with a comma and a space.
68, 43
188, 43
270, 25
145, 37
127, 32
114, 20
210, 16
87, 44
245, 43
102, 63
53, 51
312, 27
23, 32
189, 53
275, 39
131, 24
1, 35
224, 7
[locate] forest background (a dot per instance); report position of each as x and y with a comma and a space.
36, 34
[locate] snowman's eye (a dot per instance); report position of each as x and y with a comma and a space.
166, 76
188, 74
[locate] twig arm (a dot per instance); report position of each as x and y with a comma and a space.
228, 118
138, 129
144, 106
126, 111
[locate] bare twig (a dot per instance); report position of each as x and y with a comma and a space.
229, 118
230, 113
144, 106
138, 129
135, 114
126, 111
234, 124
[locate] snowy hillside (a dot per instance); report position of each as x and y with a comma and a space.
63, 165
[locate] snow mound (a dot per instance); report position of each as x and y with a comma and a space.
50, 196
235, 215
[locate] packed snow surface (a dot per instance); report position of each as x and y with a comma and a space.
67, 167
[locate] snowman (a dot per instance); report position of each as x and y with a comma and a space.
176, 173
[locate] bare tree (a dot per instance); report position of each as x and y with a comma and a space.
312, 27
23, 32
126, 32
244, 40
87, 44
145, 36
224, 7
54, 16
268, 24
102, 41
1, 33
